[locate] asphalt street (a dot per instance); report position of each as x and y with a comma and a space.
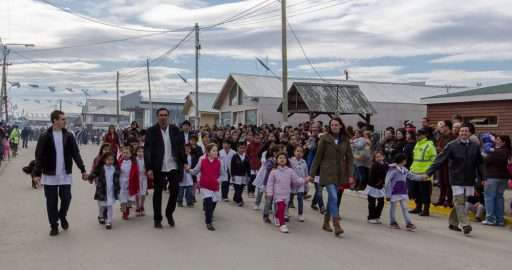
242, 240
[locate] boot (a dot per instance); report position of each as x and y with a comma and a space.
337, 227
327, 224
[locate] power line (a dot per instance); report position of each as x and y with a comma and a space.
237, 16
107, 23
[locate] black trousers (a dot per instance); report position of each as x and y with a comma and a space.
225, 189
250, 187
160, 181
25, 143
237, 197
422, 193
52, 194
208, 207
375, 206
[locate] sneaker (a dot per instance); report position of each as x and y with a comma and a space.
410, 227
488, 223
301, 218
256, 207
378, 221
283, 229
454, 228
314, 207
394, 226
266, 219
500, 224
276, 222
467, 230
240, 204
108, 226
101, 220
373, 221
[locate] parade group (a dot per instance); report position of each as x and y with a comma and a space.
281, 169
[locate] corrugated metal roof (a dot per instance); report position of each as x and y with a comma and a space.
269, 86
489, 90
324, 98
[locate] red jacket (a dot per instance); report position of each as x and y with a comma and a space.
252, 152
210, 173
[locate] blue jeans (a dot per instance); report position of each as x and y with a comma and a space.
405, 212
494, 201
317, 197
332, 200
187, 193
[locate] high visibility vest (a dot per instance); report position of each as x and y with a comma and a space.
15, 136
424, 155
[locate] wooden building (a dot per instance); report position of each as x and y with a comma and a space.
488, 108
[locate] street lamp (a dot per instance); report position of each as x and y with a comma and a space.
5, 52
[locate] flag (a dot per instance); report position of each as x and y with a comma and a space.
182, 78
15, 84
69, 89
52, 89
34, 85
37, 101
122, 92
105, 91
263, 64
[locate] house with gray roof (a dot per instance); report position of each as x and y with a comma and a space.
255, 99
101, 113
207, 114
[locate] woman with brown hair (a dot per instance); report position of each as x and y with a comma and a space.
333, 163
113, 139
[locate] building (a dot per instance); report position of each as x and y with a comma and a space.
207, 114
101, 113
488, 108
139, 108
254, 99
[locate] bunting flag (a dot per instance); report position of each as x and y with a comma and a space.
69, 90
26, 99
34, 85
182, 78
49, 101
105, 91
122, 92
52, 89
15, 84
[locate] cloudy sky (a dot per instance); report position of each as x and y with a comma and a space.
441, 42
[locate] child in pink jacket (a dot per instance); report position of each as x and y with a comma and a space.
279, 186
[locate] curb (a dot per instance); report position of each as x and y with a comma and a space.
438, 210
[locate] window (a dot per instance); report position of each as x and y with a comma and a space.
237, 118
225, 119
251, 117
241, 96
233, 96
482, 121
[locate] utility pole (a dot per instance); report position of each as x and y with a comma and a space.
149, 89
117, 98
5, 51
284, 78
60, 104
197, 48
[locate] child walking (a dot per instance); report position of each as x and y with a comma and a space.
300, 167
240, 171
396, 190
211, 170
143, 182
187, 183
226, 154
280, 183
129, 180
375, 188
261, 182
106, 175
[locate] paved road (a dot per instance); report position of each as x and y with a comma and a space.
241, 241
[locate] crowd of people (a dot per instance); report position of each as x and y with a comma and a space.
282, 168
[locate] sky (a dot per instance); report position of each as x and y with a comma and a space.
456, 42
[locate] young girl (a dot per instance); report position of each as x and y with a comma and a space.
211, 170
226, 154
7, 148
129, 180
375, 188
186, 185
280, 183
143, 182
396, 190
106, 175
104, 148
261, 182
300, 167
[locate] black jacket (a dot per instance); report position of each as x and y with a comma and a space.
154, 148
465, 163
46, 157
377, 175
240, 167
101, 183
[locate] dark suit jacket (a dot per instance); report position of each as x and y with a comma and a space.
154, 148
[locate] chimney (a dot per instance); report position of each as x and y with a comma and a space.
346, 74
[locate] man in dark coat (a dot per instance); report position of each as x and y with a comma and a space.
164, 158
